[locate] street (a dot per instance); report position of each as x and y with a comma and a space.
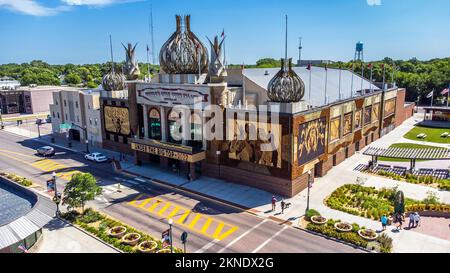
212, 226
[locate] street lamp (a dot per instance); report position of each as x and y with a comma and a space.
170, 233
56, 198
309, 187
87, 146
218, 153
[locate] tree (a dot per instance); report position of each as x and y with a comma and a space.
72, 78
81, 188
399, 203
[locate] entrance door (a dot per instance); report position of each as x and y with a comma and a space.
74, 134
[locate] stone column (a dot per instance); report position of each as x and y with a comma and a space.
192, 171
146, 129
163, 123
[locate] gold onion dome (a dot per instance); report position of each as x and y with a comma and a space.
113, 81
286, 86
183, 53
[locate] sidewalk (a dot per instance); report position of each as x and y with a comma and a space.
259, 201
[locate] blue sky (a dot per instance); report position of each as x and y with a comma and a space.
77, 31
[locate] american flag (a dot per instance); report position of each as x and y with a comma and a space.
445, 91
309, 67
21, 247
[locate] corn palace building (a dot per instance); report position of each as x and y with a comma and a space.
318, 123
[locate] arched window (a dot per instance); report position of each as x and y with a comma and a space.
196, 131
154, 124
174, 128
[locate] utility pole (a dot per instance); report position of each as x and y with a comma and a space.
300, 47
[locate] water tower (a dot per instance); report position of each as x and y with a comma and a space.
359, 51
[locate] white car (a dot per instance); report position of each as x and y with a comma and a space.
97, 157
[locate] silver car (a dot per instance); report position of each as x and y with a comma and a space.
46, 151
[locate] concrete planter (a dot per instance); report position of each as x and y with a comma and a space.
319, 220
368, 234
131, 239
117, 232
343, 227
164, 250
148, 247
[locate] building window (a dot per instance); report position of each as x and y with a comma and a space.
78, 119
154, 124
65, 103
76, 104
89, 106
56, 102
174, 128
90, 121
95, 122
53, 114
196, 131
57, 114
66, 117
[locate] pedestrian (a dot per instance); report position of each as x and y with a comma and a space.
274, 202
416, 219
283, 205
400, 221
384, 221
411, 223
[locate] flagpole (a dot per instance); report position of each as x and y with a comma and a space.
353, 74
384, 76
112, 56
362, 78
371, 78
326, 83
340, 75
309, 92
148, 64
224, 50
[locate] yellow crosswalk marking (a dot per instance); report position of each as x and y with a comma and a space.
145, 202
154, 205
195, 220
206, 225
133, 202
218, 230
181, 220
227, 233
164, 208
174, 212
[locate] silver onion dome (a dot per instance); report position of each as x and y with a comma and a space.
286, 86
113, 81
183, 53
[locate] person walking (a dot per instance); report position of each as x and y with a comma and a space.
283, 205
274, 202
400, 221
411, 223
384, 221
416, 219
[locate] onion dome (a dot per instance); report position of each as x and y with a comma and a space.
113, 81
183, 53
286, 86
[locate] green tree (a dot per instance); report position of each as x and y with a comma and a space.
72, 78
81, 188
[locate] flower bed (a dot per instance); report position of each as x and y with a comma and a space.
443, 184
371, 203
18, 179
352, 236
101, 227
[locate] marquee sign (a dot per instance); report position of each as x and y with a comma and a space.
172, 96
163, 152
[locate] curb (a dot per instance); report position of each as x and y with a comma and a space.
203, 195
331, 238
90, 235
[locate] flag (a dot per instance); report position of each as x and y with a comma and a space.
148, 49
326, 67
223, 33
309, 67
430, 95
445, 91
21, 247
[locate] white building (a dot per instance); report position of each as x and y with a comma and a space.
8, 83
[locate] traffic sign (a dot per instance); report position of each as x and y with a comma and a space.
184, 236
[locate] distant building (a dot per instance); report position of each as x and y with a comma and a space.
7, 83
313, 62
28, 100
81, 110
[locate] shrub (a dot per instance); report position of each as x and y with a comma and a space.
385, 243
310, 213
90, 216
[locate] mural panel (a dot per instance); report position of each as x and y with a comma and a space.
117, 120
389, 107
311, 140
335, 129
264, 149
376, 111
358, 119
367, 115
348, 123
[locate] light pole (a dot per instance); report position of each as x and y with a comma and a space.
56, 198
87, 146
170, 234
218, 158
309, 187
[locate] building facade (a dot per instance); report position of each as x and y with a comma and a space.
81, 110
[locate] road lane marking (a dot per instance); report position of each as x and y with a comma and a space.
207, 246
133, 202
145, 202
164, 208
228, 233
181, 220
195, 220
153, 207
242, 236
270, 239
206, 225
15, 153
174, 211
218, 230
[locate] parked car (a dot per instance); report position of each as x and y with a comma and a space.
97, 157
46, 151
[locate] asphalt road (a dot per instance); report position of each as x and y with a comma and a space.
212, 226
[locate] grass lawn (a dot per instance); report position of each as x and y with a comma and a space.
433, 134
406, 145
